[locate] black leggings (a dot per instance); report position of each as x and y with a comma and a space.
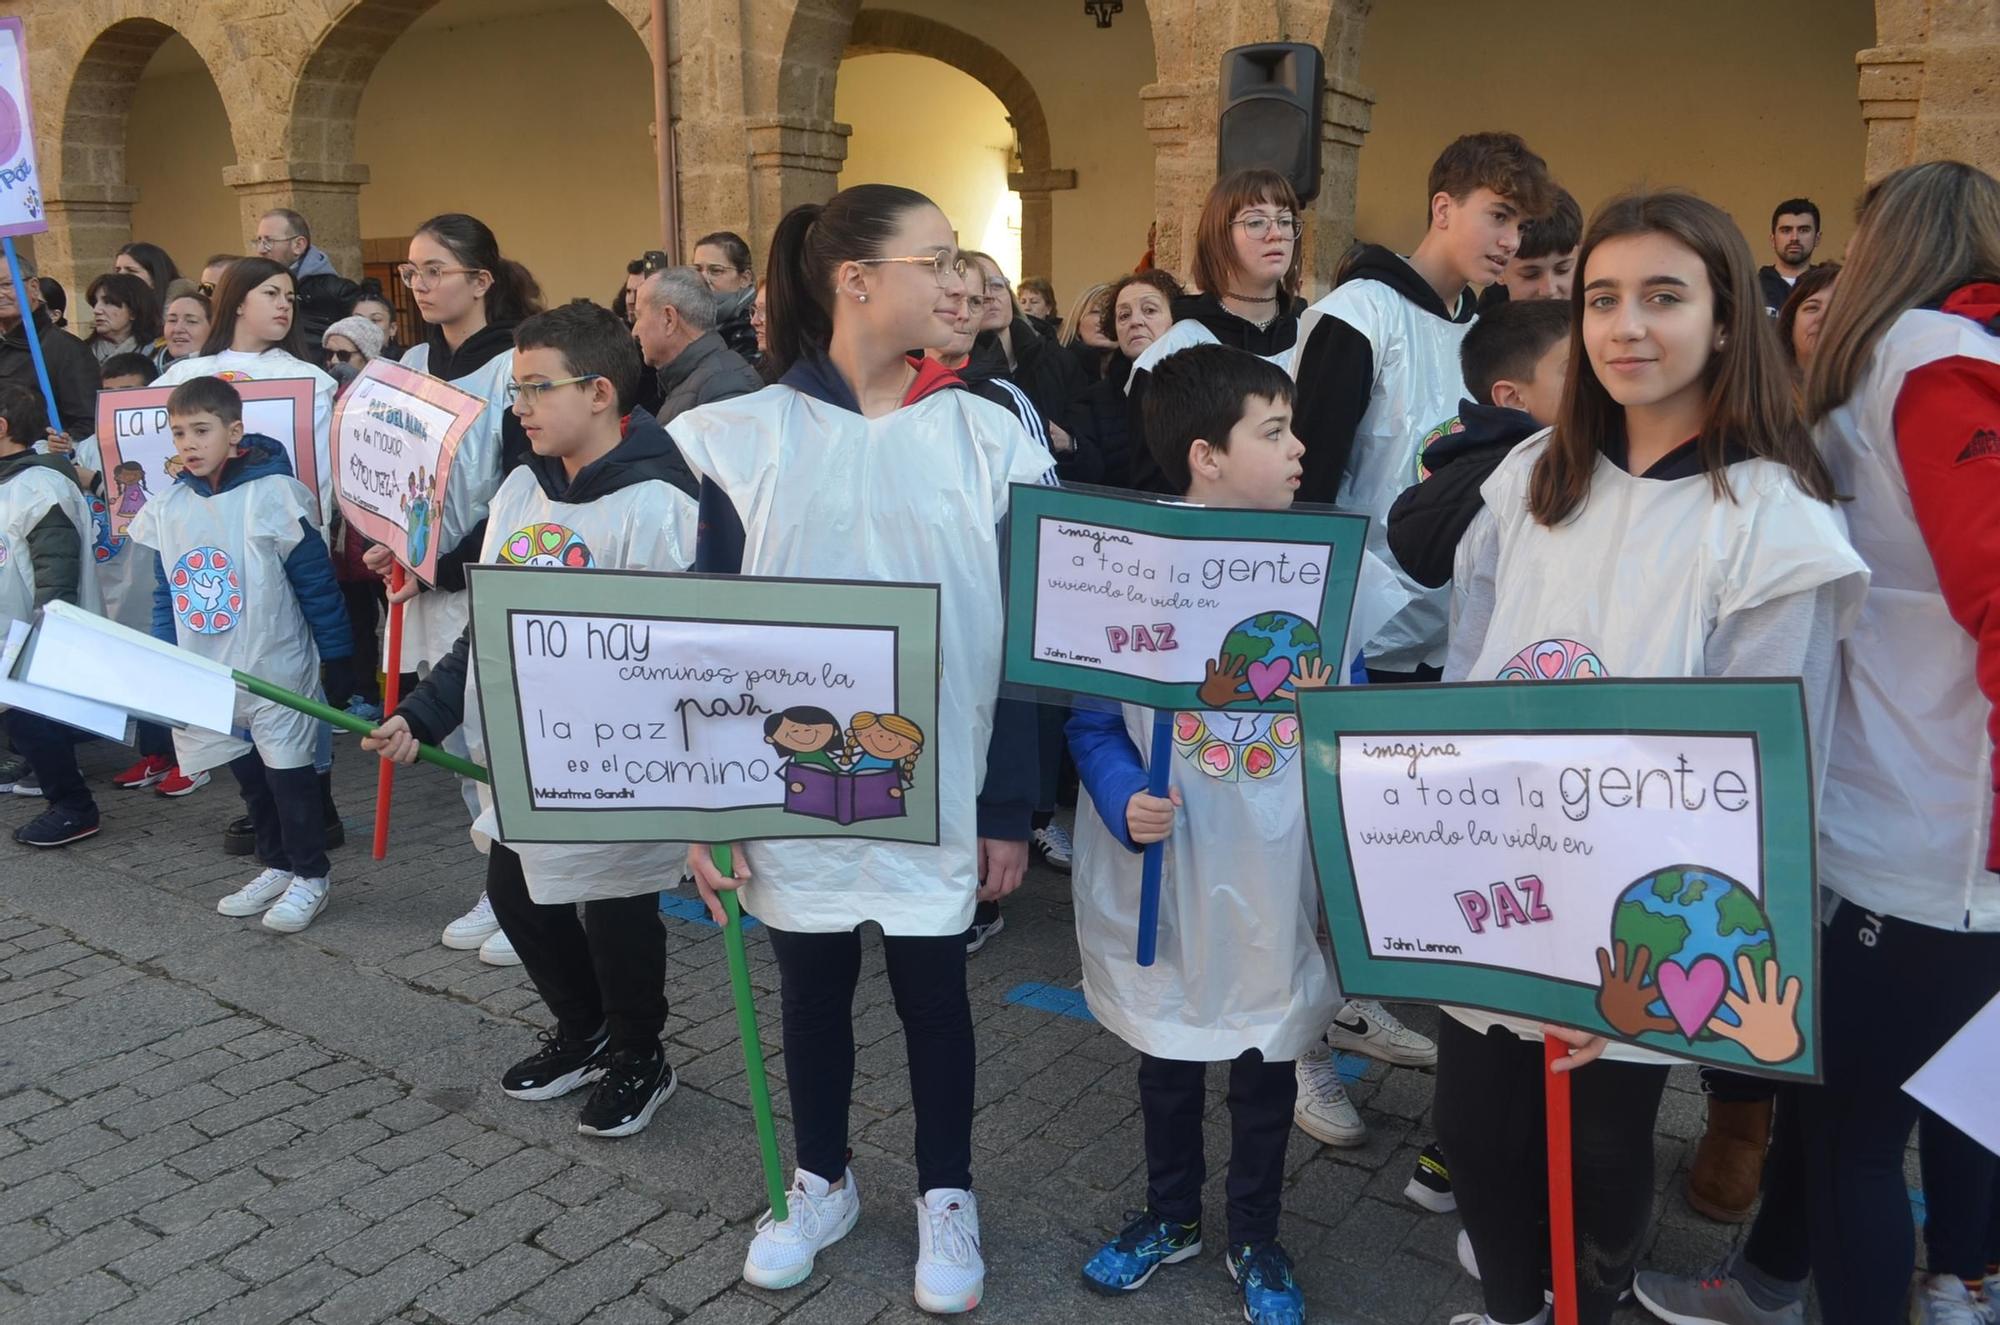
1490, 1121
1835, 1199
288, 813
1172, 1096
817, 975
608, 969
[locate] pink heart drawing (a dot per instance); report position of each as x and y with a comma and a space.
1692, 993
1266, 677
1551, 661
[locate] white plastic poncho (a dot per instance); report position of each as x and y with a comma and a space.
271, 365
434, 619
224, 556
914, 497
648, 526
1418, 384
1185, 334
1239, 964
1906, 812
1641, 575
25, 501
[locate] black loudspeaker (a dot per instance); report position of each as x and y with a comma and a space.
1271, 97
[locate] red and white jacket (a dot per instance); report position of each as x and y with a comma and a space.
1908, 819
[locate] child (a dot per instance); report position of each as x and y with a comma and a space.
244, 579
1544, 267
805, 735
1378, 360
1677, 522
471, 300
1241, 977
626, 492
865, 463
1515, 359
1900, 395
45, 534
880, 742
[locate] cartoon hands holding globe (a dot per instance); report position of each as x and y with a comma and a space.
1272, 655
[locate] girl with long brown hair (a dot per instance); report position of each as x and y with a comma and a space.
1676, 522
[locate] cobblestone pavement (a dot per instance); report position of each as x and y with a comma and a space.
200, 1119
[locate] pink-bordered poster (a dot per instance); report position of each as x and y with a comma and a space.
136, 441
395, 431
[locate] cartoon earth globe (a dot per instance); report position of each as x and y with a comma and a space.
1276, 645
419, 533
1694, 923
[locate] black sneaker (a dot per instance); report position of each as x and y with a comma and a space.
1430, 1183
56, 827
635, 1084
240, 838
986, 922
558, 1068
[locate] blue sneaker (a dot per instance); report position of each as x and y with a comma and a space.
1148, 1242
1263, 1275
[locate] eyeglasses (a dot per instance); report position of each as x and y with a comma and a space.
526, 395
428, 275
264, 243
943, 263
1259, 224
975, 302
714, 271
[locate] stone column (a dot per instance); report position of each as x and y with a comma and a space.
793, 159
1037, 190
326, 193
88, 224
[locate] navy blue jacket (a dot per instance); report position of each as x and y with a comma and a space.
308, 567
1007, 801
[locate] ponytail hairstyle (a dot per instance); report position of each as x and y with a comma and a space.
1922, 232
515, 294
243, 276
811, 242
895, 723
1750, 406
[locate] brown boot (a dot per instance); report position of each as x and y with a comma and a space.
1729, 1163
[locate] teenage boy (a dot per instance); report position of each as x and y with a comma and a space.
605, 470
1218, 422
1516, 359
1544, 267
1378, 360
1794, 237
45, 537
245, 580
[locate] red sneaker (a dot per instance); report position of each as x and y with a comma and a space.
149, 770
177, 784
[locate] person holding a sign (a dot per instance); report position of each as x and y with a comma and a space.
1239, 975
865, 464
245, 580
1901, 394
1676, 522
622, 499
255, 335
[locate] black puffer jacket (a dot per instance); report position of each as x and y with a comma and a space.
1429, 519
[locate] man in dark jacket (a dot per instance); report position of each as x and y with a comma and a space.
676, 332
1794, 236
72, 367
325, 296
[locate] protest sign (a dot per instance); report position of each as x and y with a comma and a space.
1173, 606
1631, 858
627, 706
21, 206
1957, 1083
89, 715
137, 443
83, 654
395, 432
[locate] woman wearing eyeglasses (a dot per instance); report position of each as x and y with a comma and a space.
1010, 347
1246, 269
471, 299
863, 463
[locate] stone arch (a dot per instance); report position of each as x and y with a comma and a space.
876, 31
86, 75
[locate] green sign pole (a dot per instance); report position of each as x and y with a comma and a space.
753, 1044
430, 754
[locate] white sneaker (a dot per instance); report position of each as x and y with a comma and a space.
473, 928
1466, 1260
781, 1255
1943, 1299
1323, 1111
302, 901
1476, 1318
950, 1274
498, 950
256, 895
1365, 1027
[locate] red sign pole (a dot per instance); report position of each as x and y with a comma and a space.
385, 777
1562, 1210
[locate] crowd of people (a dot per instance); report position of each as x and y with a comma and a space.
1621, 431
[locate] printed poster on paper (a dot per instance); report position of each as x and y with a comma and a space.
137, 442
395, 431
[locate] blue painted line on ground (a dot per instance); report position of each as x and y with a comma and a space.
690, 908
